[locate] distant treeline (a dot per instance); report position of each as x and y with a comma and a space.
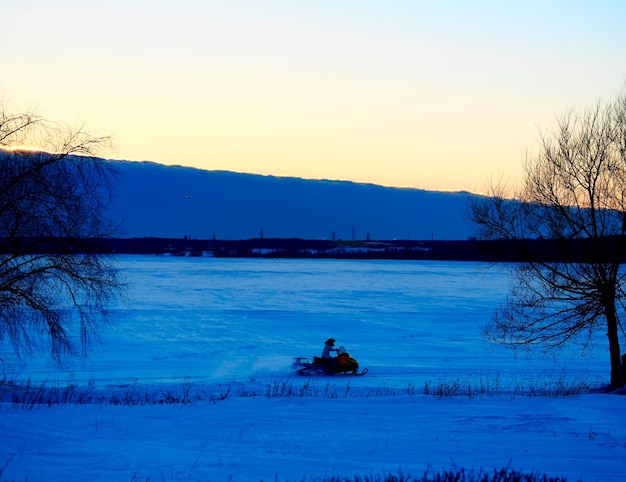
466, 250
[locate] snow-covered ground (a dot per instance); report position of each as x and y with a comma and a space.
221, 334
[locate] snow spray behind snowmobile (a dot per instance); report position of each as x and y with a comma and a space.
343, 363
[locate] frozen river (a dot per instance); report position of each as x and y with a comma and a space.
214, 320
220, 334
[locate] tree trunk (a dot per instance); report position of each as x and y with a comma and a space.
617, 379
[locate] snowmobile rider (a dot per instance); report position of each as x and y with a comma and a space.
328, 347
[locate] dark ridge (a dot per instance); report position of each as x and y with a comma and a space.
547, 250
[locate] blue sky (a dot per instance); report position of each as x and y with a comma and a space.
439, 95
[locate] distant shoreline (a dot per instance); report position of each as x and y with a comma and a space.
441, 250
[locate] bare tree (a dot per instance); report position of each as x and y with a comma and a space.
574, 190
54, 286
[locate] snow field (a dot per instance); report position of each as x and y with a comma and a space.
221, 334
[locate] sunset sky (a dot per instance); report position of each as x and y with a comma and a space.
439, 95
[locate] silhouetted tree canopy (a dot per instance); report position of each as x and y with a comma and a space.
55, 195
574, 188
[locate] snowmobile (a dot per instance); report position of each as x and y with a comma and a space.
343, 363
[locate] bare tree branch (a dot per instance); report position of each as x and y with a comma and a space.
54, 290
574, 189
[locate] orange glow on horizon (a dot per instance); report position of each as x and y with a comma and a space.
22, 148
